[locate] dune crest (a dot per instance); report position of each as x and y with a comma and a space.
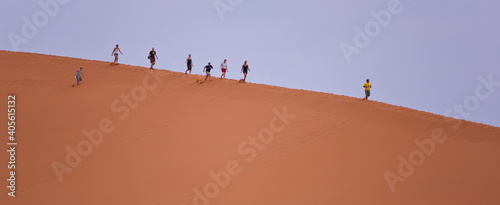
131, 135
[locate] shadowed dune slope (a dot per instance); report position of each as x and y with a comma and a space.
130, 135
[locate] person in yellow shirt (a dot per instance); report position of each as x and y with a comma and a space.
367, 87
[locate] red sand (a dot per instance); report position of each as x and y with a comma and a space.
162, 144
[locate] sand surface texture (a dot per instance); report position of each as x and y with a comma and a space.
130, 135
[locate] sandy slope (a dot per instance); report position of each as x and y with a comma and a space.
314, 148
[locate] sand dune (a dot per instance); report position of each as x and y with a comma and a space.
129, 135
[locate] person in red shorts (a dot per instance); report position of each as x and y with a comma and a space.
223, 67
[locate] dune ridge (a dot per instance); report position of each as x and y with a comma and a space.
166, 137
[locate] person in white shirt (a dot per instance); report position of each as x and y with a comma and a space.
115, 53
223, 67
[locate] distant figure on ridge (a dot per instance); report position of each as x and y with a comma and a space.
189, 63
244, 70
151, 57
367, 87
78, 75
223, 67
207, 69
115, 53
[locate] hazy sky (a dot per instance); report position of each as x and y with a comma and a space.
427, 55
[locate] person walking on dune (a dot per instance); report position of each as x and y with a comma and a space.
151, 57
115, 53
78, 75
189, 63
207, 69
244, 70
223, 67
367, 87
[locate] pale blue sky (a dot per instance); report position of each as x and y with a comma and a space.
428, 57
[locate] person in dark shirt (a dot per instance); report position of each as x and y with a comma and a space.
189, 62
207, 69
151, 57
244, 70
